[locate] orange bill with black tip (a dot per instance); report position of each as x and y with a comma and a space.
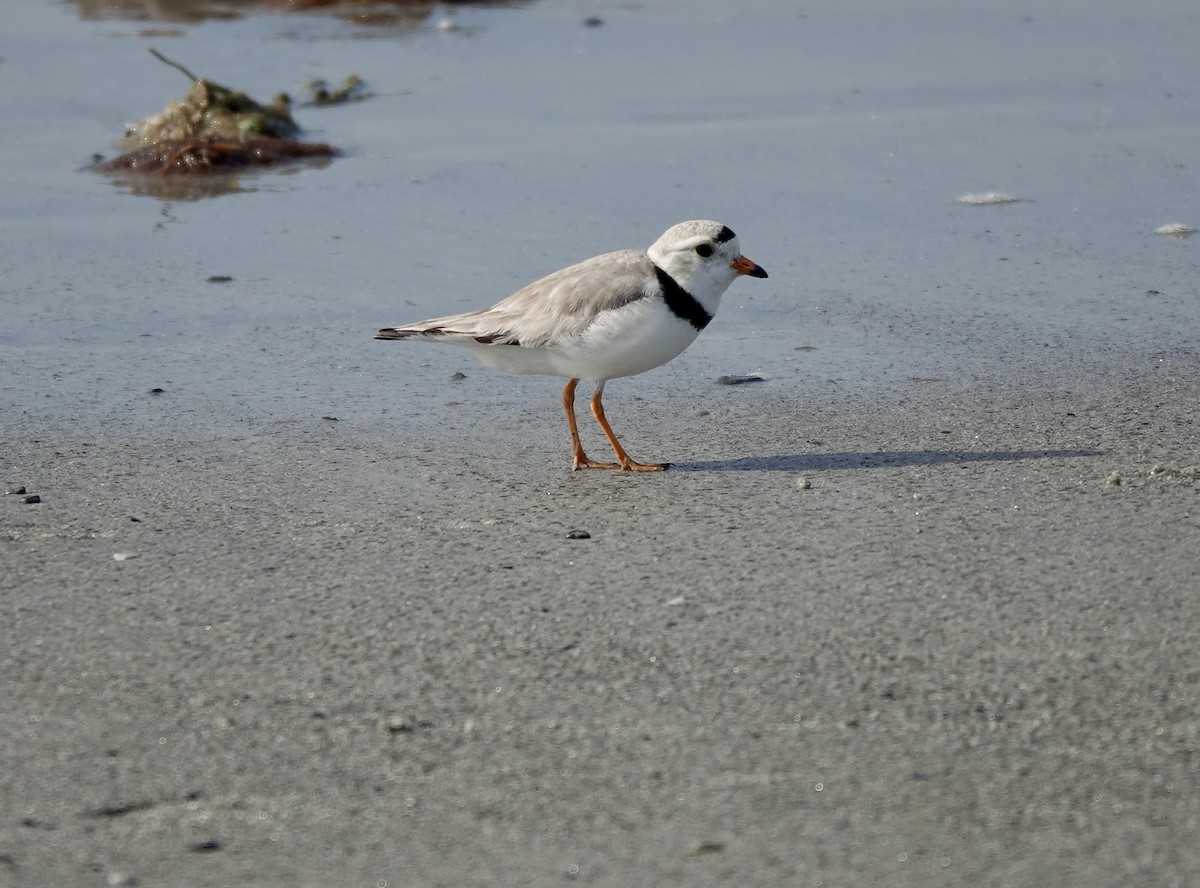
742, 265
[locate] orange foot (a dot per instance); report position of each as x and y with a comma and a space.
631, 466
582, 461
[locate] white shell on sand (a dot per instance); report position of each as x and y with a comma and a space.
987, 198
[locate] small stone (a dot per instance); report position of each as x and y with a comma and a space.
803, 484
1113, 480
123, 556
740, 379
219, 279
156, 391
119, 879
578, 535
330, 418
31, 500
1157, 469
206, 847
458, 375
395, 724
593, 21
14, 491
1174, 229
709, 847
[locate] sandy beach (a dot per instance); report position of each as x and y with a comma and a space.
289, 606
959, 651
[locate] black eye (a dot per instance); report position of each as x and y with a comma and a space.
704, 250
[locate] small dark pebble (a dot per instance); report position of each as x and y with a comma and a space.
709, 847
737, 379
593, 21
578, 535
206, 847
330, 418
458, 374
396, 725
15, 491
135, 519
32, 499
219, 278
156, 391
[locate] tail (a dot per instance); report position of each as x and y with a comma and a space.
450, 328
464, 329
401, 333
434, 329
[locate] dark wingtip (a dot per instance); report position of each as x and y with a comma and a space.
410, 332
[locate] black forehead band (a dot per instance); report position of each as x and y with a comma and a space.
725, 235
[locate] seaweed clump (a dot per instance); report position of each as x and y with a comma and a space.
321, 95
201, 154
213, 128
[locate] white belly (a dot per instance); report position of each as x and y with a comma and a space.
624, 342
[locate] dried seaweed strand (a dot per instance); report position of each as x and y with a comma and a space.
178, 67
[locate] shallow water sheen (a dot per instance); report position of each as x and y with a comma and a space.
836, 141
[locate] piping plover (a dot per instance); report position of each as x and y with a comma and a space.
615, 315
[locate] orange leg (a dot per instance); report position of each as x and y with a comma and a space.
622, 457
579, 459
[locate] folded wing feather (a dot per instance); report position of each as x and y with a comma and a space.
556, 307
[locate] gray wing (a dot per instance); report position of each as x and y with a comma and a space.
556, 307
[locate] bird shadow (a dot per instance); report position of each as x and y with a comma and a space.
823, 462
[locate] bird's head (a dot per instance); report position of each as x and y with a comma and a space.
703, 257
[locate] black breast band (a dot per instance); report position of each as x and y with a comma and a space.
682, 303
